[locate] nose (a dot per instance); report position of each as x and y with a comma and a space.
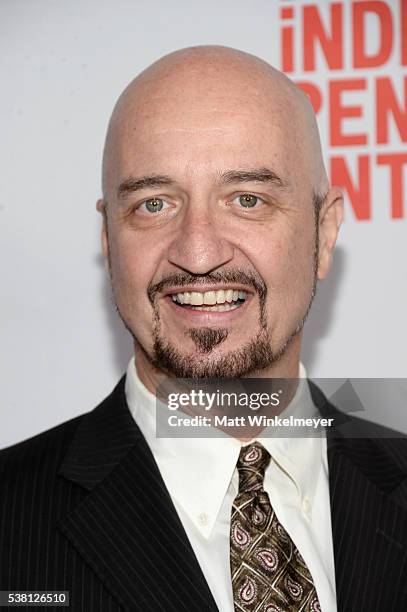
199, 246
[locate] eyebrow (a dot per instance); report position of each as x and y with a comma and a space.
132, 184
259, 175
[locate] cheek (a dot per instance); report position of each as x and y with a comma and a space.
299, 281
132, 268
286, 264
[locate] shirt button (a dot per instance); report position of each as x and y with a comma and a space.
203, 519
306, 506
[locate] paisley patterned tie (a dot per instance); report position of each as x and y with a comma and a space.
268, 572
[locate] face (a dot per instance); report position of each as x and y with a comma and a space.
210, 233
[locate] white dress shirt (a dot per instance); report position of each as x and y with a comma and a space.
202, 480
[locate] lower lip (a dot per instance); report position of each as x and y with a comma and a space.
205, 317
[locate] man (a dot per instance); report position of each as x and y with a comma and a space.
218, 220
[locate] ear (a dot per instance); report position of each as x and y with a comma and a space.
101, 207
330, 219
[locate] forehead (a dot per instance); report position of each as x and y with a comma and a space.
204, 141
202, 127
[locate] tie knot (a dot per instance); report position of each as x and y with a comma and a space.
252, 463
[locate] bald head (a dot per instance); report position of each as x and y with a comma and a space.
201, 88
211, 175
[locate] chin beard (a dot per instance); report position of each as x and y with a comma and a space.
248, 359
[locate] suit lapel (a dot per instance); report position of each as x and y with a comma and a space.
127, 528
368, 495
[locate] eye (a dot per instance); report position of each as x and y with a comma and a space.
153, 205
248, 200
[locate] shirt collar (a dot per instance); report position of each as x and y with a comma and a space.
197, 471
299, 457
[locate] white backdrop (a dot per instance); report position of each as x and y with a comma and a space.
63, 65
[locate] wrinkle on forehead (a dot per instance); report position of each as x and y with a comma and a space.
189, 89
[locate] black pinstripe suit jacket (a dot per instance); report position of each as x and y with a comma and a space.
84, 509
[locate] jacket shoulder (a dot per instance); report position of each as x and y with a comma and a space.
43, 450
378, 451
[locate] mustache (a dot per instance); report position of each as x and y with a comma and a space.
227, 277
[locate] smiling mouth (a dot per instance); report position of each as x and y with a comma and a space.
221, 300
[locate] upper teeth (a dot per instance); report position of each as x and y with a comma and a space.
197, 298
